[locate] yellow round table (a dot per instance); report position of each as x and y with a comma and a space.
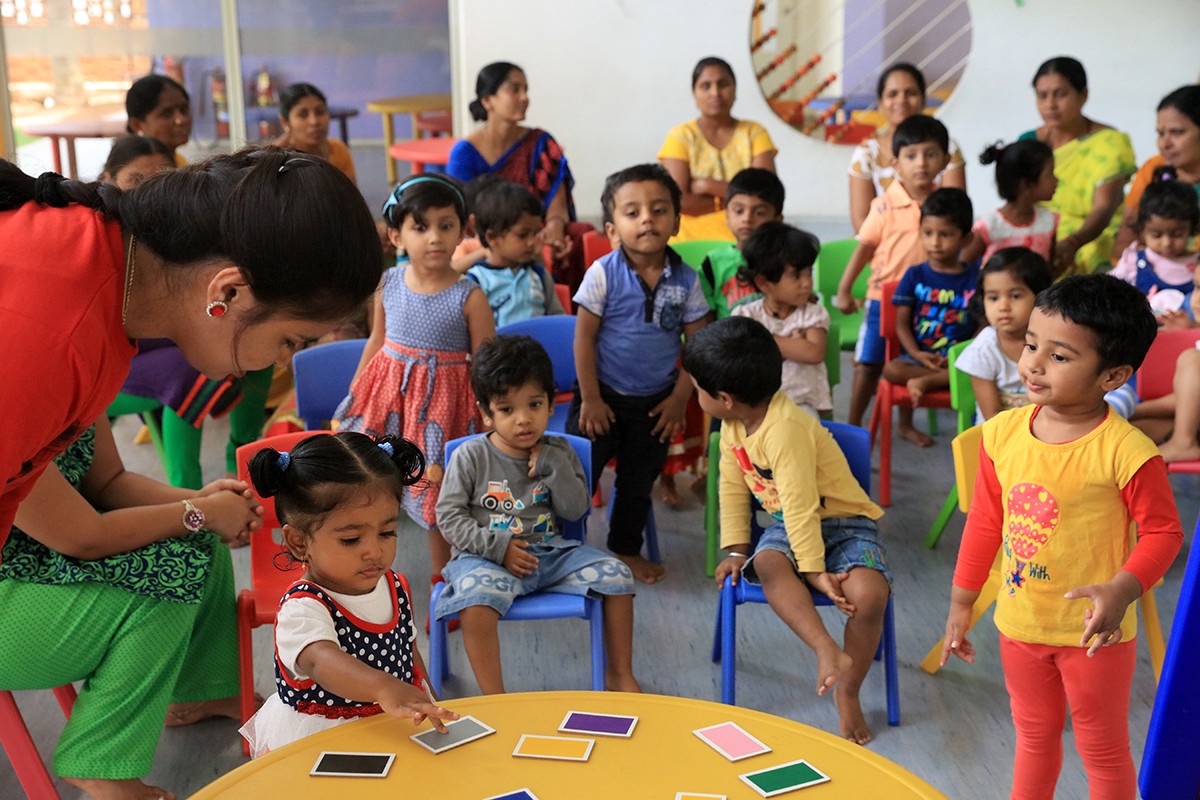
414, 105
661, 758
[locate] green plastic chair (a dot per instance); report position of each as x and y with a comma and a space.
177, 442
962, 400
693, 252
827, 271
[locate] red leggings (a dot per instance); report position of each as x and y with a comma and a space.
1041, 680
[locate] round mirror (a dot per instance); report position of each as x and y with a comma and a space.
817, 61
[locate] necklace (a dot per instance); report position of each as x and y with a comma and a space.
130, 265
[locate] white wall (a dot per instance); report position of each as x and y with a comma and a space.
609, 77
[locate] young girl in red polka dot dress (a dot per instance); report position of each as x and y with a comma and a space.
414, 377
345, 629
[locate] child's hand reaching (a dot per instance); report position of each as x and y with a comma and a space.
670, 413
1102, 620
402, 699
846, 302
595, 418
958, 621
518, 560
830, 585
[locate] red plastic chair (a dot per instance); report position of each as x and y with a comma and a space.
891, 394
268, 581
564, 296
35, 779
1157, 375
595, 245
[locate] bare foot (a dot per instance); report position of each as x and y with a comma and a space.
129, 789
699, 486
915, 436
181, 714
668, 492
831, 663
852, 724
620, 682
645, 571
1172, 450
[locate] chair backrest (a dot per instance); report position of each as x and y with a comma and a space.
856, 445
965, 447
962, 394
570, 529
323, 374
564, 296
557, 335
833, 353
693, 252
1157, 374
831, 263
887, 320
263, 546
595, 245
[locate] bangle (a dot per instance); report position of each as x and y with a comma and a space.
737, 555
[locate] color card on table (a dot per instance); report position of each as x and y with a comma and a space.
598, 724
696, 796
519, 794
731, 741
560, 748
458, 732
784, 778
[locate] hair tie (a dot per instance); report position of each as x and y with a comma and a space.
283, 461
387, 448
394, 197
46, 191
295, 162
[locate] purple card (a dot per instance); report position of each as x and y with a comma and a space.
598, 724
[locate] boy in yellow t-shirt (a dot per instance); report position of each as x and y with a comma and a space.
1059, 482
824, 535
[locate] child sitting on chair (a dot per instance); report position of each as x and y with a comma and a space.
499, 505
779, 263
508, 219
824, 536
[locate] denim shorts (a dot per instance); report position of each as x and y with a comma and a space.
849, 542
870, 347
564, 566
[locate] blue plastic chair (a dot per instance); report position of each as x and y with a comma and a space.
1170, 767
856, 444
557, 335
539, 605
323, 374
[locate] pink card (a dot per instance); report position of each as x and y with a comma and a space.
731, 741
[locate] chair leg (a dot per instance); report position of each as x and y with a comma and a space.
933, 421
596, 631
439, 659
712, 508
1154, 635
22, 752
891, 674
728, 643
245, 623
884, 403
717, 629
943, 518
65, 695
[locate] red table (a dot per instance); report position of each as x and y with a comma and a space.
69, 130
420, 152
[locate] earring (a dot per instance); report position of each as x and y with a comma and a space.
216, 308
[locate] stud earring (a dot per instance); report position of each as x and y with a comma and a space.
216, 308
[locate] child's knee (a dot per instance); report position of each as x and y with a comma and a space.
772, 565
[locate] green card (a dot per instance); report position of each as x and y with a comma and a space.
784, 778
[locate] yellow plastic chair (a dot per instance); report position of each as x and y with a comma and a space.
966, 464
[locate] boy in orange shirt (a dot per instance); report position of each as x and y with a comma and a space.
890, 240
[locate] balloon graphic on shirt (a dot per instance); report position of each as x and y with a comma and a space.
1032, 514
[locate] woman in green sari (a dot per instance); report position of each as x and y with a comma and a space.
1092, 162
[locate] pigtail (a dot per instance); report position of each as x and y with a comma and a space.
405, 456
991, 154
52, 189
267, 471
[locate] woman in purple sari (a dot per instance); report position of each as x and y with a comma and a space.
526, 156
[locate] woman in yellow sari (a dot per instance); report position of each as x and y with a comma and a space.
704, 153
1092, 162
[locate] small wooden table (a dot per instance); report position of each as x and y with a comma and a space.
72, 128
661, 758
420, 152
413, 105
